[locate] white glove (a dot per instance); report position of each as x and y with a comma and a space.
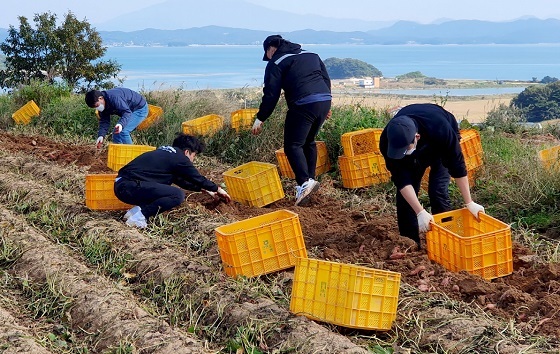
118, 129
223, 194
475, 208
99, 142
424, 219
257, 127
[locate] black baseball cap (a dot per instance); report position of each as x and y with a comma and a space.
273, 40
401, 132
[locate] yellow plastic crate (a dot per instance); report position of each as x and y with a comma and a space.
100, 194
363, 170
26, 112
261, 245
205, 125
323, 162
254, 184
243, 118
471, 175
361, 141
121, 154
550, 158
471, 148
458, 242
154, 114
345, 294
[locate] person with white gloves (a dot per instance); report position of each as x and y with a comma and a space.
307, 89
418, 137
129, 105
146, 181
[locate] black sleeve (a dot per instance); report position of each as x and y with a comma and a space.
271, 91
191, 179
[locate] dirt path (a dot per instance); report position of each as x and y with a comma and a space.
525, 303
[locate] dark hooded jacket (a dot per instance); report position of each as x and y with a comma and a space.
439, 141
298, 72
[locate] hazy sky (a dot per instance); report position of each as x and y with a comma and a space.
423, 11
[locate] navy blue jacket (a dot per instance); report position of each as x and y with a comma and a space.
122, 102
166, 165
439, 140
299, 73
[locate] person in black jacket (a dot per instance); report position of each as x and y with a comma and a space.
418, 136
307, 89
146, 180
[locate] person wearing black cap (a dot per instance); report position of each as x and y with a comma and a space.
307, 89
129, 105
417, 137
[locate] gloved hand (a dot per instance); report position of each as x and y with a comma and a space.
424, 219
257, 127
475, 208
118, 129
224, 195
99, 142
210, 193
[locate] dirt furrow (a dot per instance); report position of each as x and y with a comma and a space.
155, 262
15, 338
97, 306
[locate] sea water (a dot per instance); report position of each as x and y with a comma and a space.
231, 66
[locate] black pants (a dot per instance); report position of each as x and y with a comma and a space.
152, 198
438, 192
301, 128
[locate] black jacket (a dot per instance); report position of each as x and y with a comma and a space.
166, 165
439, 140
299, 73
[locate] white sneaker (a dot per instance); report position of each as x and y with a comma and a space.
304, 192
131, 212
137, 220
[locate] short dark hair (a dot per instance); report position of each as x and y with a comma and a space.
92, 97
188, 142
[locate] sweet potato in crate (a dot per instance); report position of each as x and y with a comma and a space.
121, 154
363, 170
345, 294
262, 244
26, 112
243, 118
254, 184
100, 194
323, 162
205, 125
458, 241
361, 141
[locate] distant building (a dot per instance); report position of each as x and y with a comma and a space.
366, 83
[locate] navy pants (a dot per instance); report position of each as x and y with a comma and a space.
301, 127
438, 192
152, 198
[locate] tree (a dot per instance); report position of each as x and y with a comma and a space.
347, 68
70, 52
539, 103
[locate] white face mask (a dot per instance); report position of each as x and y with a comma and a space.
100, 108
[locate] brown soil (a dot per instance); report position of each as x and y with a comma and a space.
529, 298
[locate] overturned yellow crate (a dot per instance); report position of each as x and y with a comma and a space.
243, 118
323, 162
154, 114
363, 170
100, 193
345, 294
458, 241
254, 184
361, 141
26, 112
550, 158
205, 125
121, 154
262, 244
471, 147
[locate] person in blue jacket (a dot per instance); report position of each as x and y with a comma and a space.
146, 181
417, 137
307, 89
129, 105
